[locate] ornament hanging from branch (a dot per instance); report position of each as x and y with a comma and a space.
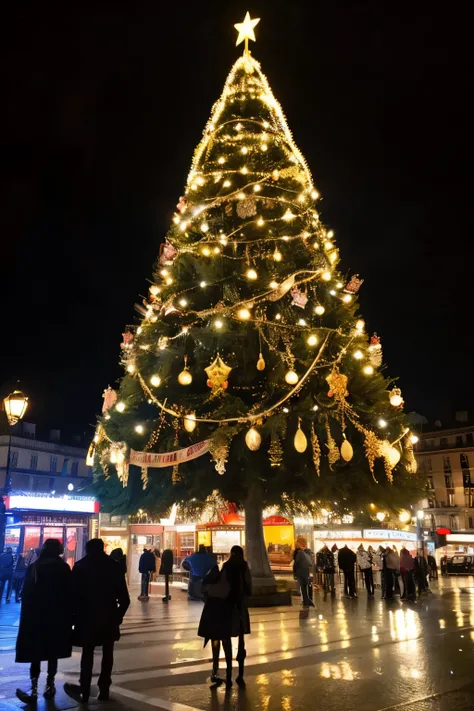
127, 342
275, 452
375, 351
408, 456
282, 289
353, 285
316, 451
144, 477
185, 377
182, 204
168, 254
219, 446
337, 384
333, 450
110, 398
300, 298
396, 399
217, 374
300, 442
346, 450
247, 207
260, 362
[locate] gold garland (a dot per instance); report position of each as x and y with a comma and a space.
316, 450
333, 450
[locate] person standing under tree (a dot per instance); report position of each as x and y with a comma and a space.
100, 601
45, 632
225, 613
346, 559
302, 567
146, 566
364, 561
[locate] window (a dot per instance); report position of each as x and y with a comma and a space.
458, 440
448, 480
53, 465
468, 498
14, 459
469, 439
51, 483
454, 522
34, 461
451, 499
471, 522
443, 442
74, 468
447, 464
431, 503
429, 482
464, 461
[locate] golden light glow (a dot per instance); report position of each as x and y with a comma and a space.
273, 284
204, 227
277, 317
139, 429
413, 439
368, 370
260, 221
169, 281
404, 517
154, 290
314, 194
241, 196
131, 368
257, 188
164, 272
190, 422
319, 310
301, 322
244, 150
206, 251
244, 170
203, 284
183, 302
139, 330
155, 380
358, 355
221, 160
264, 146
252, 274
277, 255
253, 439
243, 314
185, 377
347, 298
380, 516
218, 323
288, 215
331, 234
328, 245
326, 276
120, 406
226, 183
312, 340
360, 325
216, 250
382, 423
246, 30
291, 377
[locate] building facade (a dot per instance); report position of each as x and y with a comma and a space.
43, 485
446, 459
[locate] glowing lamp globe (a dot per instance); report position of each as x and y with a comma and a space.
380, 516
404, 516
15, 406
253, 439
319, 310
185, 377
155, 380
291, 377
300, 441
190, 422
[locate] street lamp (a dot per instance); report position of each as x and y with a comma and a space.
15, 406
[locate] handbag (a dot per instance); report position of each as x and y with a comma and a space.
220, 589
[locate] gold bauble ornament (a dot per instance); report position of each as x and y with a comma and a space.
190, 422
291, 377
260, 362
217, 374
390, 453
253, 439
300, 441
346, 451
396, 399
185, 377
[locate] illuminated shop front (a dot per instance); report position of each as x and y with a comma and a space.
374, 537
32, 518
457, 543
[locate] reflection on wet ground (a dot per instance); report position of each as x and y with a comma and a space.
369, 655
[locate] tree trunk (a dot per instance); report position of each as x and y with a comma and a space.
263, 580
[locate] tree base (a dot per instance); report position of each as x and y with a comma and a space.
266, 593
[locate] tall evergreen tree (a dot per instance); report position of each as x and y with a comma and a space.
250, 345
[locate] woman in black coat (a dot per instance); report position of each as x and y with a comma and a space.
225, 613
45, 632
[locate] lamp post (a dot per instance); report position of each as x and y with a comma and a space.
15, 406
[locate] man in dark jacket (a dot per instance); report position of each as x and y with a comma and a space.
6, 573
346, 559
100, 601
146, 566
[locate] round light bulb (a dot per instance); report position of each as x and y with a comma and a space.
131, 368
380, 516
226, 183
244, 170
358, 355
216, 250
413, 439
185, 377
264, 146
120, 406
368, 370
347, 298
206, 251
252, 274
319, 310
183, 302
155, 380
139, 429
221, 160
203, 284
404, 517
154, 290
291, 377
277, 255
331, 234
301, 322
204, 227
244, 150
190, 422
243, 314
315, 408
273, 284
382, 423
218, 323
326, 276
314, 194
257, 188
70, 487
360, 325
328, 245
277, 317
169, 281
312, 340
164, 272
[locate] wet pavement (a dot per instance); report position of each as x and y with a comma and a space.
369, 655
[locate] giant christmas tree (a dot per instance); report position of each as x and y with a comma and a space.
250, 372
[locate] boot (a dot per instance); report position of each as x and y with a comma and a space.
29, 697
50, 688
241, 659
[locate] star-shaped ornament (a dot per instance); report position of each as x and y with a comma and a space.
246, 30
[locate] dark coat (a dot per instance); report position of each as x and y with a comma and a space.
346, 558
221, 619
46, 612
119, 556
166, 566
147, 562
6, 566
100, 600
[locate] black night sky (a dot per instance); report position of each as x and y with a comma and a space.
102, 109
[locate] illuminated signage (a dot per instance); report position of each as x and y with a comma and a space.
338, 534
460, 538
387, 534
30, 502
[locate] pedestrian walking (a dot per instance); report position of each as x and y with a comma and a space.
100, 601
19, 572
407, 567
225, 614
302, 568
146, 566
364, 561
45, 632
119, 556
392, 568
6, 573
325, 563
198, 564
433, 566
421, 573
346, 559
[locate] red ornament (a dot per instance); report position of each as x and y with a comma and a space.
167, 253
182, 204
225, 385
209, 383
353, 285
127, 339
